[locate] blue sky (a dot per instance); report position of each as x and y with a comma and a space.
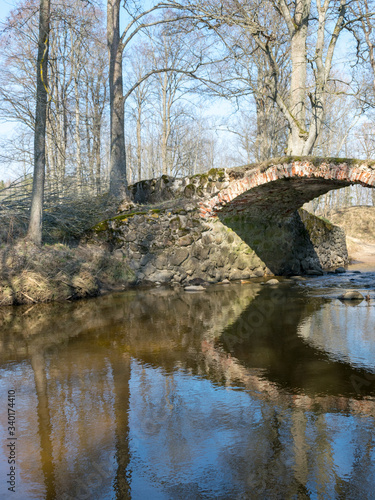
5, 7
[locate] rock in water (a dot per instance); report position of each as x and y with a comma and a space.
271, 282
314, 272
224, 282
194, 288
351, 295
340, 270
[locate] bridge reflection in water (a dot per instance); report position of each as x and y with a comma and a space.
237, 392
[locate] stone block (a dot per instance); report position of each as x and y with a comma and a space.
235, 274
200, 252
207, 239
148, 270
178, 256
161, 262
242, 262
130, 236
184, 241
161, 276
145, 259
218, 239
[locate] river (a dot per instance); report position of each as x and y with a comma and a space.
238, 392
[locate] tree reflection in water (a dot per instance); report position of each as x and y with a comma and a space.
237, 392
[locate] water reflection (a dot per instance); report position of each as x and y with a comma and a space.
237, 392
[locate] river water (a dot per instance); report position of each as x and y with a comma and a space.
238, 392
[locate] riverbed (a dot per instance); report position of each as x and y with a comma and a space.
241, 391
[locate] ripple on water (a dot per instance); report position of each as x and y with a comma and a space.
331, 285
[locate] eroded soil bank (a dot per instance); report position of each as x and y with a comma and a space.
30, 274
359, 226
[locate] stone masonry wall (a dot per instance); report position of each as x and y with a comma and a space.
328, 240
177, 245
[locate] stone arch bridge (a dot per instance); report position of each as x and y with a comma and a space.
235, 223
280, 187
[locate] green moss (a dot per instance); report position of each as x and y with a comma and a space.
126, 216
203, 179
314, 223
102, 226
189, 190
175, 223
216, 172
326, 221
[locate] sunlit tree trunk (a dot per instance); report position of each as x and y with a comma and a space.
302, 141
297, 103
118, 182
139, 142
166, 125
77, 135
36, 215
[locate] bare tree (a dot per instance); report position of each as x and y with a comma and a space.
34, 232
77, 87
139, 22
310, 32
118, 181
138, 62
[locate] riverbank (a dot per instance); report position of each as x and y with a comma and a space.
31, 274
167, 244
359, 226
361, 253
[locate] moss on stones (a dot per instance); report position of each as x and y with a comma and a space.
189, 190
203, 179
216, 173
102, 226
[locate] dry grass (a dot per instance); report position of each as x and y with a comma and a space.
358, 222
59, 270
65, 219
359, 225
30, 274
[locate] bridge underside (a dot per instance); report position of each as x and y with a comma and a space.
280, 198
287, 239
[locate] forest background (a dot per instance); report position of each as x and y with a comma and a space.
197, 96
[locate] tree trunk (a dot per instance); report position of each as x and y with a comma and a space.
297, 103
139, 141
262, 146
96, 152
118, 182
166, 127
77, 136
36, 215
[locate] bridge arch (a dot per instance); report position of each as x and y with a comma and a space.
282, 186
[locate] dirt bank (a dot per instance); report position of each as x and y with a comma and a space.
359, 225
29, 274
